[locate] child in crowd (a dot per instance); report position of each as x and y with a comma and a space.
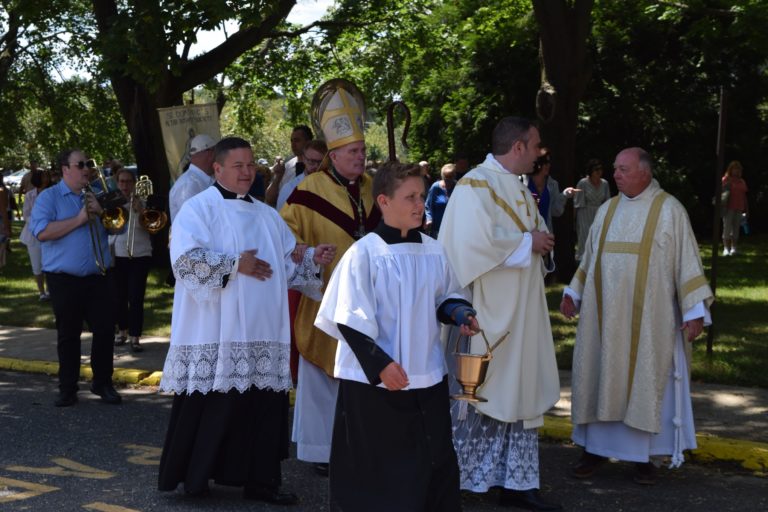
392, 446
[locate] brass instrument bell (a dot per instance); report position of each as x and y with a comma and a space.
113, 219
152, 219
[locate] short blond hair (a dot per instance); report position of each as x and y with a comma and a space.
447, 169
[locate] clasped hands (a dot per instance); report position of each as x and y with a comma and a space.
252, 266
542, 242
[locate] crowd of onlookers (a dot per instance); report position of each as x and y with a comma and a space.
273, 185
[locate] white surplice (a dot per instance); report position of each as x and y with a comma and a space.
390, 293
230, 331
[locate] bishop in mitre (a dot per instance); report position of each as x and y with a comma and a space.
334, 205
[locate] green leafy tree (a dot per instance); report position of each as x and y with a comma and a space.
661, 74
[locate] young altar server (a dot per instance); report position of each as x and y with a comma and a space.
392, 446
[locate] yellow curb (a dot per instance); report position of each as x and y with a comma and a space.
152, 380
123, 375
749, 454
46, 367
128, 376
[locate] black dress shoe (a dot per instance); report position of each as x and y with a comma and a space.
66, 399
321, 468
270, 495
107, 393
529, 500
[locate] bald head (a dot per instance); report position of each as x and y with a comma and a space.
632, 171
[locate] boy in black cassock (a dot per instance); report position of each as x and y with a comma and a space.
392, 446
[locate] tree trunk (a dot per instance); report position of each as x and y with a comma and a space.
139, 109
564, 28
9, 42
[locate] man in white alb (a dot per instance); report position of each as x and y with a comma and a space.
640, 289
498, 244
197, 177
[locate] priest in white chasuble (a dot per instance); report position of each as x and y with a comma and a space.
233, 258
640, 290
497, 243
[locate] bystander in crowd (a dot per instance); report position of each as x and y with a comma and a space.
38, 182
593, 191
734, 205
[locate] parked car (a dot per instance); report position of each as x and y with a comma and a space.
13, 181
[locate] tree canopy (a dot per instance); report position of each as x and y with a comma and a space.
647, 73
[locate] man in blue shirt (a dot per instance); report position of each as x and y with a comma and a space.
78, 286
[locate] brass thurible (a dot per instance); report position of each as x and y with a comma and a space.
472, 368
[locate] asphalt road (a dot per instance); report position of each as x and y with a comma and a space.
99, 457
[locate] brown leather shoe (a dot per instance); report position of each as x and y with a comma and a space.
587, 465
645, 473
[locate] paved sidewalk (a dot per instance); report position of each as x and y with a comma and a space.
731, 422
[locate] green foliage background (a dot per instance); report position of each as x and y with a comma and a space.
460, 65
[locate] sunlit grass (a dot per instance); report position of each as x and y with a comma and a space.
20, 304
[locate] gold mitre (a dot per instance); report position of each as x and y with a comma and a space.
338, 112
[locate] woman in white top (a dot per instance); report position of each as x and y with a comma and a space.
131, 269
40, 181
593, 191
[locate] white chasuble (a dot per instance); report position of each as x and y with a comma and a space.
641, 269
486, 220
229, 330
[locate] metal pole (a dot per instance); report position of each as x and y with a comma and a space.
720, 150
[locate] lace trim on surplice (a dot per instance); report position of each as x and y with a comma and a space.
493, 453
227, 365
203, 271
306, 277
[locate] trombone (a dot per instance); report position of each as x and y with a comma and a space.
152, 219
112, 217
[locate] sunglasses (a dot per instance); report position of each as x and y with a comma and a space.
83, 164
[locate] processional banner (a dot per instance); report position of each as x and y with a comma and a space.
180, 125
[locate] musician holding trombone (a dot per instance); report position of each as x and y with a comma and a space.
75, 254
133, 258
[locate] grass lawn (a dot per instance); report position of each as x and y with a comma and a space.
20, 305
740, 354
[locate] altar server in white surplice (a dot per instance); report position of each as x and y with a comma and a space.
640, 289
392, 448
228, 359
498, 245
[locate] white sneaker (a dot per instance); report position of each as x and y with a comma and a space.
726, 252
733, 252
